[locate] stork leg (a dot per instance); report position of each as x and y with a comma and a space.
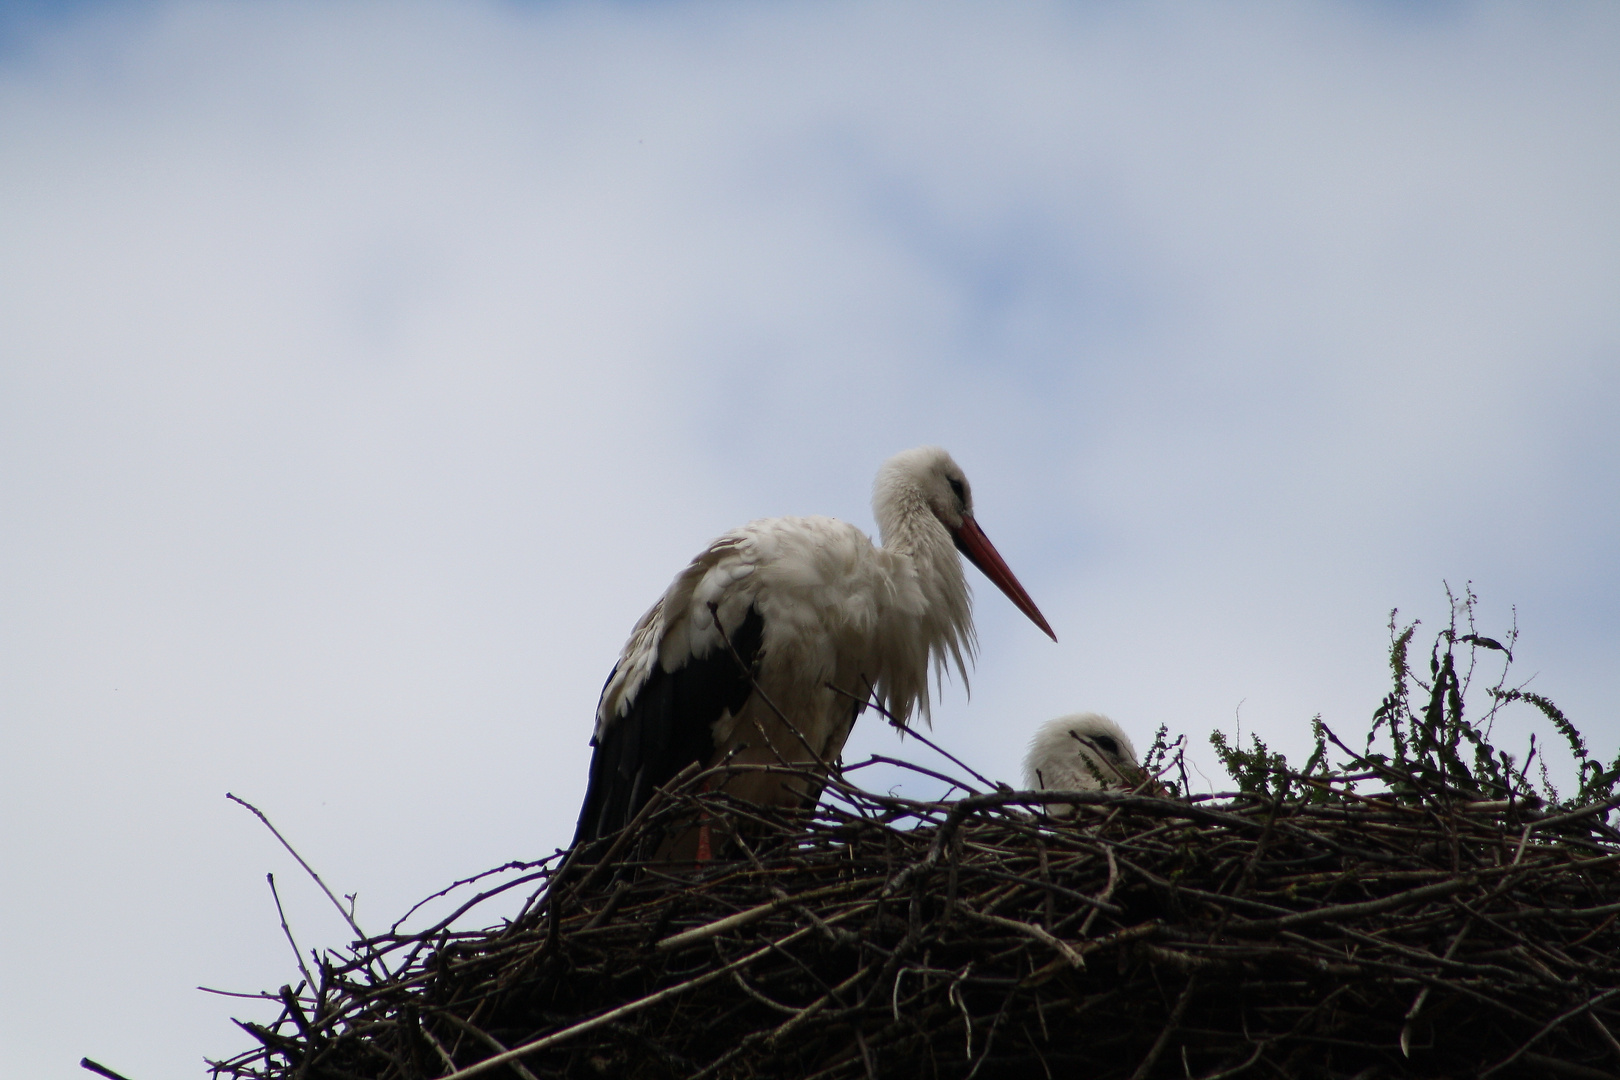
705, 847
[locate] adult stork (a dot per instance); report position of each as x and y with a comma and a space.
816, 619
1082, 752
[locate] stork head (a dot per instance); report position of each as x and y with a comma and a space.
924, 477
1082, 752
926, 481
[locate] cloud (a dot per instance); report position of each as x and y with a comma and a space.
368, 369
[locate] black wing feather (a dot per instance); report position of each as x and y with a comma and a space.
668, 726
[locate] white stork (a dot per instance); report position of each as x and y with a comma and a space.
1082, 752
808, 604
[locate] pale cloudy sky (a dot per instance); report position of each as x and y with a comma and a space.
366, 369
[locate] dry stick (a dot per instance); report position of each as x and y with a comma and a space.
1170, 1025
488, 1040
1551, 1024
444, 1055
607, 910
1102, 897
454, 885
541, 874
1051, 891
870, 702
753, 914
1264, 1044
1410, 1019
1052, 941
623, 1010
1259, 1048
1559, 1066
1245, 879
1417, 1004
659, 795
1604, 1033
540, 895
1223, 900
1151, 928
297, 1013
100, 1069
1493, 971
922, 770
747, 850
768, 1002
961, 809
771, 1038
866, 1055
953, 877
990, 1036
1049, 915
348, 917
260, 996
1493, 998
954, 996
782, 1030
285, 929
1578, 812
1367, 907
272, 1042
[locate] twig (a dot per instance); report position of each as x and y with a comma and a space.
488, 1040
659, 795
623, 1010
1169, 1029
1368, 907
1061, 947
743, 918
309, 981
870, 701
97, 1067
1410, 1019
348, 917
1545, 1031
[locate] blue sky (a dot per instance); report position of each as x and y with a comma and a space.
366, 370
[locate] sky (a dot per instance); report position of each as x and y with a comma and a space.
367, 369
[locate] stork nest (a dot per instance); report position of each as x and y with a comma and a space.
1150, 937
1446, 924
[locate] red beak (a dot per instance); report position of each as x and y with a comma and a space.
971, 542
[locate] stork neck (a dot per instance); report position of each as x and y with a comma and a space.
909, 527
929, 620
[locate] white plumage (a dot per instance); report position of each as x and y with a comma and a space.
806, 602
1080, 752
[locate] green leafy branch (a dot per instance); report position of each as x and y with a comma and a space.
1420, 741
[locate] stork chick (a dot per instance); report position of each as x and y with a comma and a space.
1081, 752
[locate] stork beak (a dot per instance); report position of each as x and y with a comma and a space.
971, 542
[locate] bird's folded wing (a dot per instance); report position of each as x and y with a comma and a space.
674, 679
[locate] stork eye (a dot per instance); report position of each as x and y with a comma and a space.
959, 490
1108, 744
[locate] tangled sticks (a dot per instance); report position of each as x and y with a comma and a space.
1356, 937
1452, 922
